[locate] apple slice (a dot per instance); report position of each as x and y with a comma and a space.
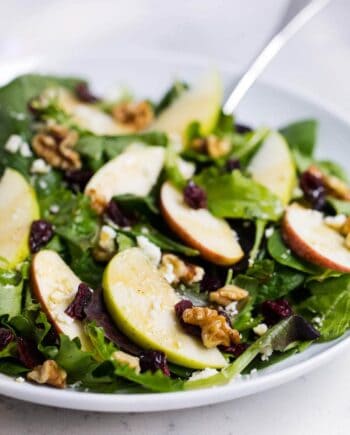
55, 285
18, 208
273, 166
202, 104
88, 116
306, 233
134, 171
142, 302
212, 236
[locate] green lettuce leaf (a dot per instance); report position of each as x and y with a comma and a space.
330, 301
11, 289
283, 255
172, 94
236, 196
301, 136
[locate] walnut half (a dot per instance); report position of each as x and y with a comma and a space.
227, 294
213, 145
136, 116
55, 145
48, 373
215, 329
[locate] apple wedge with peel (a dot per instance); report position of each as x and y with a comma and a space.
87, 115
202, 103
18, 208
54, 284
308, 236
273, 166
141, 302
134, 171
198, 228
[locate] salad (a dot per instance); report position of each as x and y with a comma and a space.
159, 245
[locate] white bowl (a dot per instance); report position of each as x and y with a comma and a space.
149, 74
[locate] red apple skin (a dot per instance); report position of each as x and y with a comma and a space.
187, 238
304, 250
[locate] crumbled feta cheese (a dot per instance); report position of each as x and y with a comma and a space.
203, 374
42, 184
253, 372
13, 143
317, 320
39, 166
269, 232
231, 309
186, 169
266, 353
151, 250
54, 209
168, 273
19, 116
25, 150
260, 329
20, 379
144, 230
107, 238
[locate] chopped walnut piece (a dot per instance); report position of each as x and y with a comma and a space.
212, 145
137, 116
227, 294
215, 328
49, 373
334, 185
55, 145
125, 358
176, 270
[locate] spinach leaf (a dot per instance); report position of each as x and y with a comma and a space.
283, 255
330, 301
301, 136
246, 145
143, 205
84, 265
236, 196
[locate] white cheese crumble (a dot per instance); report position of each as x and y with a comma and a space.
107, 237
42, 184
39, 166
20, 380
152, 251
260, 329
25, 150
13, 143
54, 209
168, 272
266, 353
203, 374
186, 169
231, 309
269, 232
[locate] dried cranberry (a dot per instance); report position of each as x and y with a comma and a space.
28, 353
313, 189
77, 179
232, 164
274, 311
118, 216
235, 349
242, 128
210, 282
195, 196
84, 94
76, 309
41, 232
154, 360
180, 307
6, 336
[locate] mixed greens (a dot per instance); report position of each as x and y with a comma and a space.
159, 245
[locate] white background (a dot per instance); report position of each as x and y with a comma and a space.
317, 61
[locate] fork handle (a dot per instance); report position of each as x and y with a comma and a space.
294, 20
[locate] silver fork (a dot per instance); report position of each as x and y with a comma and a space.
298, 14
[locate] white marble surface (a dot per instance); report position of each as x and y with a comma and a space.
317, 61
